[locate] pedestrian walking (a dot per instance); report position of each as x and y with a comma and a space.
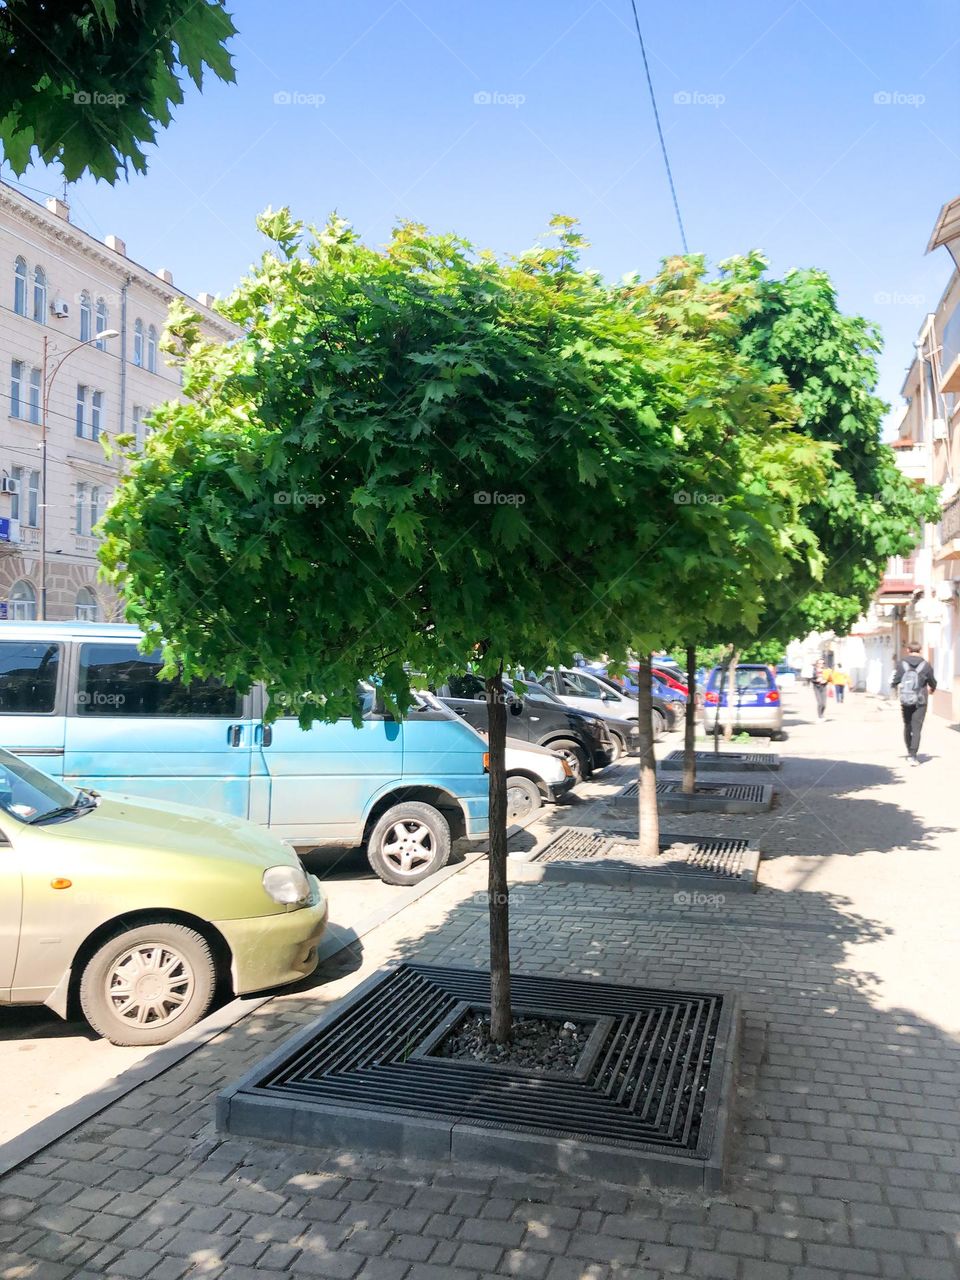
819, 680
912, 678
840, 681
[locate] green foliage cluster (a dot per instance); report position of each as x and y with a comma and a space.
868, 510
423, 457
87, 83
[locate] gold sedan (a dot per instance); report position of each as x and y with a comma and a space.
135, 911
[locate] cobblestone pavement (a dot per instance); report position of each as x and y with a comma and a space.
846, 1160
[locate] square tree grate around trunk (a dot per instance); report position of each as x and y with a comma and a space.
576, 854
718, 761
650, 1097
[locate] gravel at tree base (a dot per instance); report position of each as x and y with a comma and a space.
536, 1044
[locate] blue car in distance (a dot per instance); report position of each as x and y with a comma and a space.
80, 701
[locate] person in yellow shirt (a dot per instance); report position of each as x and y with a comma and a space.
840, 681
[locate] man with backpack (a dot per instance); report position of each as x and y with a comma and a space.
913, 677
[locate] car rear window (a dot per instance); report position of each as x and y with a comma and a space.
119, 680
28, 677
747, 678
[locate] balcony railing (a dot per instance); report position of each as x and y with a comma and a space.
950, 521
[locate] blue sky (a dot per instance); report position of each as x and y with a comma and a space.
776, 132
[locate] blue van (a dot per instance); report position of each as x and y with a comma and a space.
81, 702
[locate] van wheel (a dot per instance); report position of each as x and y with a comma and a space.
410, 842
146, 985
523, 799
574, 755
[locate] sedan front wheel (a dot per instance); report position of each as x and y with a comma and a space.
146, 985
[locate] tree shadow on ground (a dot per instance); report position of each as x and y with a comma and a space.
845, 1151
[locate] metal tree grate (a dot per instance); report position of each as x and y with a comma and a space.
737, 759
752, 791
709, 856
648, 1083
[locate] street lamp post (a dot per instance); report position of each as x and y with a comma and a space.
47, 384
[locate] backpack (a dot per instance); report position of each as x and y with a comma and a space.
910, 686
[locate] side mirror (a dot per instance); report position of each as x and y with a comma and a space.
608, 697
516, 706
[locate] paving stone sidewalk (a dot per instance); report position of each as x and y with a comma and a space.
847, 1157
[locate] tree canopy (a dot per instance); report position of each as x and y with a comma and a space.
87, 83
868, 510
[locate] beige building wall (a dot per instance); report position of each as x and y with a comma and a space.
109, 390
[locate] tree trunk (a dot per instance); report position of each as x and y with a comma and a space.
498, 892
716, 719
690, 725
731, 696
649, 818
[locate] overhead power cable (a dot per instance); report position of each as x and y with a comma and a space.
656, 116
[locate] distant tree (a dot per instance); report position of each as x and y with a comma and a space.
868, 510
87, 83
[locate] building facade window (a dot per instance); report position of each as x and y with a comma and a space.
81, 410
34, 395
39, 296
138, 343
16, 389
96, 505
23, 601
25, 504
101, 323
20, 287
96, 414
86, 318
138, 427
83, 509
87, 607
152, 349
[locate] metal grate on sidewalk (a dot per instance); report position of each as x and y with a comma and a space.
654, 1079
720, 760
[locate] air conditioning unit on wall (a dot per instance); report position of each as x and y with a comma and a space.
60, 308
9, 485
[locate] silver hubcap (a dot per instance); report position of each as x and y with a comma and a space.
408, 846
149, 984
520, 804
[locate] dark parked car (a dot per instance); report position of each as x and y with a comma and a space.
536, 716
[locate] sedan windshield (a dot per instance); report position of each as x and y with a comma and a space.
31, 796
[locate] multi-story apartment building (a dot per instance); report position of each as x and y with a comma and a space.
919, 598
59, 289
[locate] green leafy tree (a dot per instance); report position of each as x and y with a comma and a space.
87, 83
868, 510
418, 458
738, 531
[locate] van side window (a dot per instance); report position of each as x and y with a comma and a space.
28, 676
119, 680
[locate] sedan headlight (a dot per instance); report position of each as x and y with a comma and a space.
287, 885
